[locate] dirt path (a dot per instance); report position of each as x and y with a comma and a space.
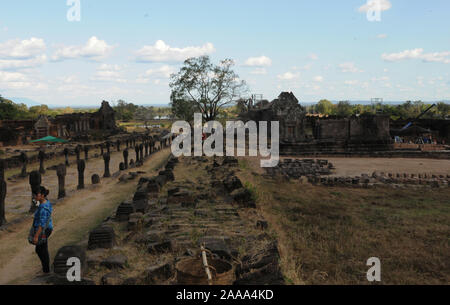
73, 217
358, 166
17, 201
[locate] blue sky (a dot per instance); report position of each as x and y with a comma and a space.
317, 49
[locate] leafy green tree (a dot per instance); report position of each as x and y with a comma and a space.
144, 114
182, 109
124, 111
206, 86
325, 107
443, 109
344, 109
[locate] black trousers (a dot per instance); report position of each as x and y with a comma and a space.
42, 252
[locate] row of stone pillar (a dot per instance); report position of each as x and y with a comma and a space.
35, 178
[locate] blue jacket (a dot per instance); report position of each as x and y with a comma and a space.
42, 214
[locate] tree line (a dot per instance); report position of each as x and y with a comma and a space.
406, 110
19, 111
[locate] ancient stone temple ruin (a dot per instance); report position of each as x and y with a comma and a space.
61, 126
303, 133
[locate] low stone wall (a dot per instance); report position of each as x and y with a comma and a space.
290, 168
370, 154
396, 180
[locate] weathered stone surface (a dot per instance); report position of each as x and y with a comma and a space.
106, 159
160, 247
112, 278
184, 197
260, 268
161, 272
102, 237
216, 245
232, 183
61, 173
124, 210
141, 205
118, 261
262, 224
243, 197
135, 222
168, 174
81, 167
64, 254
95, 179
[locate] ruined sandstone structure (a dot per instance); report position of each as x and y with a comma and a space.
61, 126
301, 133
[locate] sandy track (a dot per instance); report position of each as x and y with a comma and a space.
73, 216
358, 166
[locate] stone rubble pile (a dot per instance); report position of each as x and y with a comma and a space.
169, 219
296, 168
382, 179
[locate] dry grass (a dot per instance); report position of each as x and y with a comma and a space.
326, 234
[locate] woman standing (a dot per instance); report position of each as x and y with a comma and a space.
43, 227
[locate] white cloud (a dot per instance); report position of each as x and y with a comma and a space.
161, 52
21, 54
94, 49
259, 71
318, 79
381, 36
418, 54
11, 76
13, 64
19, 81
349, 67
163, 71
109, 73
262, 61
22, 49
288, 76
381, 5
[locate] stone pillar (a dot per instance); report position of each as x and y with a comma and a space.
24, 160
101, 149
81, 167
141, 151
118, 145
136, 149
77, 152
86, 152
41, 157
61, 173
106, 158
146, 149
66, 156
108, 147
125, 158
3, 189
35, 183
